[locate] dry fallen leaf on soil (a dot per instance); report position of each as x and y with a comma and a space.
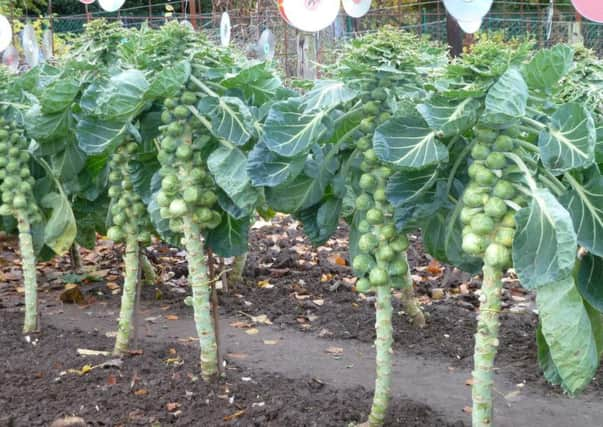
237, 356
270, 342
467, 409
141, 392
326, 277
337, 259
113, 286
252, 331
171, 317
111, 379
89, 352
435, 267
172, 406
85, 369
336, 351
240, 324
318, 302
72, 294
172, 351
469, 381
265, 284
234, 416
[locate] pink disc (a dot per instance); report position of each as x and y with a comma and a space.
590, 9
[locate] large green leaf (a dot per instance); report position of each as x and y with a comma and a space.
507, 98
257, 83
59, 95
230, 237
327, 94
122, 96
585, 205
408, 144
268, 169
406, 186
96, 136
320, 221
567, 329
544, 248
228, 165
548, 66
569, 140
230, 118
69, 162
590, 280
142, 169
288, 131
44, 127
60, 230
91, 218
450, 118
169, 81
443, 239
298, 194
545, 360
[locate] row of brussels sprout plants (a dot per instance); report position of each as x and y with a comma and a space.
493, 156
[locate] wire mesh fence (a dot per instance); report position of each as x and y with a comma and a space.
515, 18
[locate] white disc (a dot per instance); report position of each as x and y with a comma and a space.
225, 29
549, 21
470, 27
309, 15
590, 9
111, 5
10, 58
468, 10
266, 45
356, 8
6, 33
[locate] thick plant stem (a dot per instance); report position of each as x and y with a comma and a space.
148, 272
409, 301
76, 259
128, 296
383, 346
28, 258
486, 345
200, 286
238, 266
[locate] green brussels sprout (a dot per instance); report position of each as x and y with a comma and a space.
509, 219
184, 152
188, 98
19, 201
190, 195
362, 263
379, 94
363, 202
380, 195
115, 233
387, 232
166, 117
505, 236
400, 244
487, 136
174, 130
378, 276
497, 256
181, 112
495, 207
374, 216
504, 143
177, 208
367, 242
169, 183
385, 253
364, 226
504, 190
485, 177
169, 144
480, 151
364, 143
398, 268
208, 198
367, 182
170, 103
363, 285
370, 156
473, 244
371, 108
496, 160
482, 224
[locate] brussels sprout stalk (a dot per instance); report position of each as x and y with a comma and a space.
148, 272
238, 265
29, 274
410, 303
200, 299
128, 296
486, 345
383, 346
